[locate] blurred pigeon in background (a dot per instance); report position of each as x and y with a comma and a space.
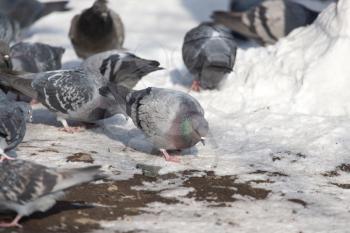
209, 53
243, 5
96, 29
314, 5
13, 117
172, 120
267, 22
26, 12
121, 68
36, 57
27, 187
72, 94
9, 29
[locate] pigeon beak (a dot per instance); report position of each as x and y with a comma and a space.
203, 140
8, 62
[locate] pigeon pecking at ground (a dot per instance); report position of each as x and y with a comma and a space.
267, 22
36, 57
96, 29
122, 68
72, 94
9, 29
209, 52
13, 117
172, 120
27, 12
27, 187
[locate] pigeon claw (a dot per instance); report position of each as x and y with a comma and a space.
14, 223
196, 86
170, 158
71, 129
34, 102
5, 157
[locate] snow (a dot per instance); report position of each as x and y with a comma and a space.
285, 109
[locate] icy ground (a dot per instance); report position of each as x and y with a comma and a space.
280, 124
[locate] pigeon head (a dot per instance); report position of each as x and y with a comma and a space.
5, 59
127, 69
26, 109
196, 126
58, 52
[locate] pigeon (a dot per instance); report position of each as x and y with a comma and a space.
13, 117
9, 29
27, 187
267, 22
209, 52
172, 120
27, 12
36, 57
96, 29
73, 94
122, 68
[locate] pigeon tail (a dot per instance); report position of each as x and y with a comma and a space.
76, 176
14, 80
50, 7
233, 21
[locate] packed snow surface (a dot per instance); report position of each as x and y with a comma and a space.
282, 116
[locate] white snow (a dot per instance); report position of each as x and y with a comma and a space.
289, 100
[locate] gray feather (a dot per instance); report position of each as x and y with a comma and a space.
9, 29
36, 57
13, 117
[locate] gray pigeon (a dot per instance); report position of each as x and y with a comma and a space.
27, 187
120, 67
96, 29
267, 22
36, 57
9, 29
72, 94
209, 52
13, 117
172, 120
26, 12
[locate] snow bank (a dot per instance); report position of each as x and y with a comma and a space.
306, 72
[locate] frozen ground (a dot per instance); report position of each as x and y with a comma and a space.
279, 143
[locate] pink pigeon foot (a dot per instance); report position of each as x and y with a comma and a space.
196, 86
14, 223
170, 158
5, 157
71, 129
34, 102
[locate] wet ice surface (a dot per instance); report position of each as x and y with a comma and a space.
277, 159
